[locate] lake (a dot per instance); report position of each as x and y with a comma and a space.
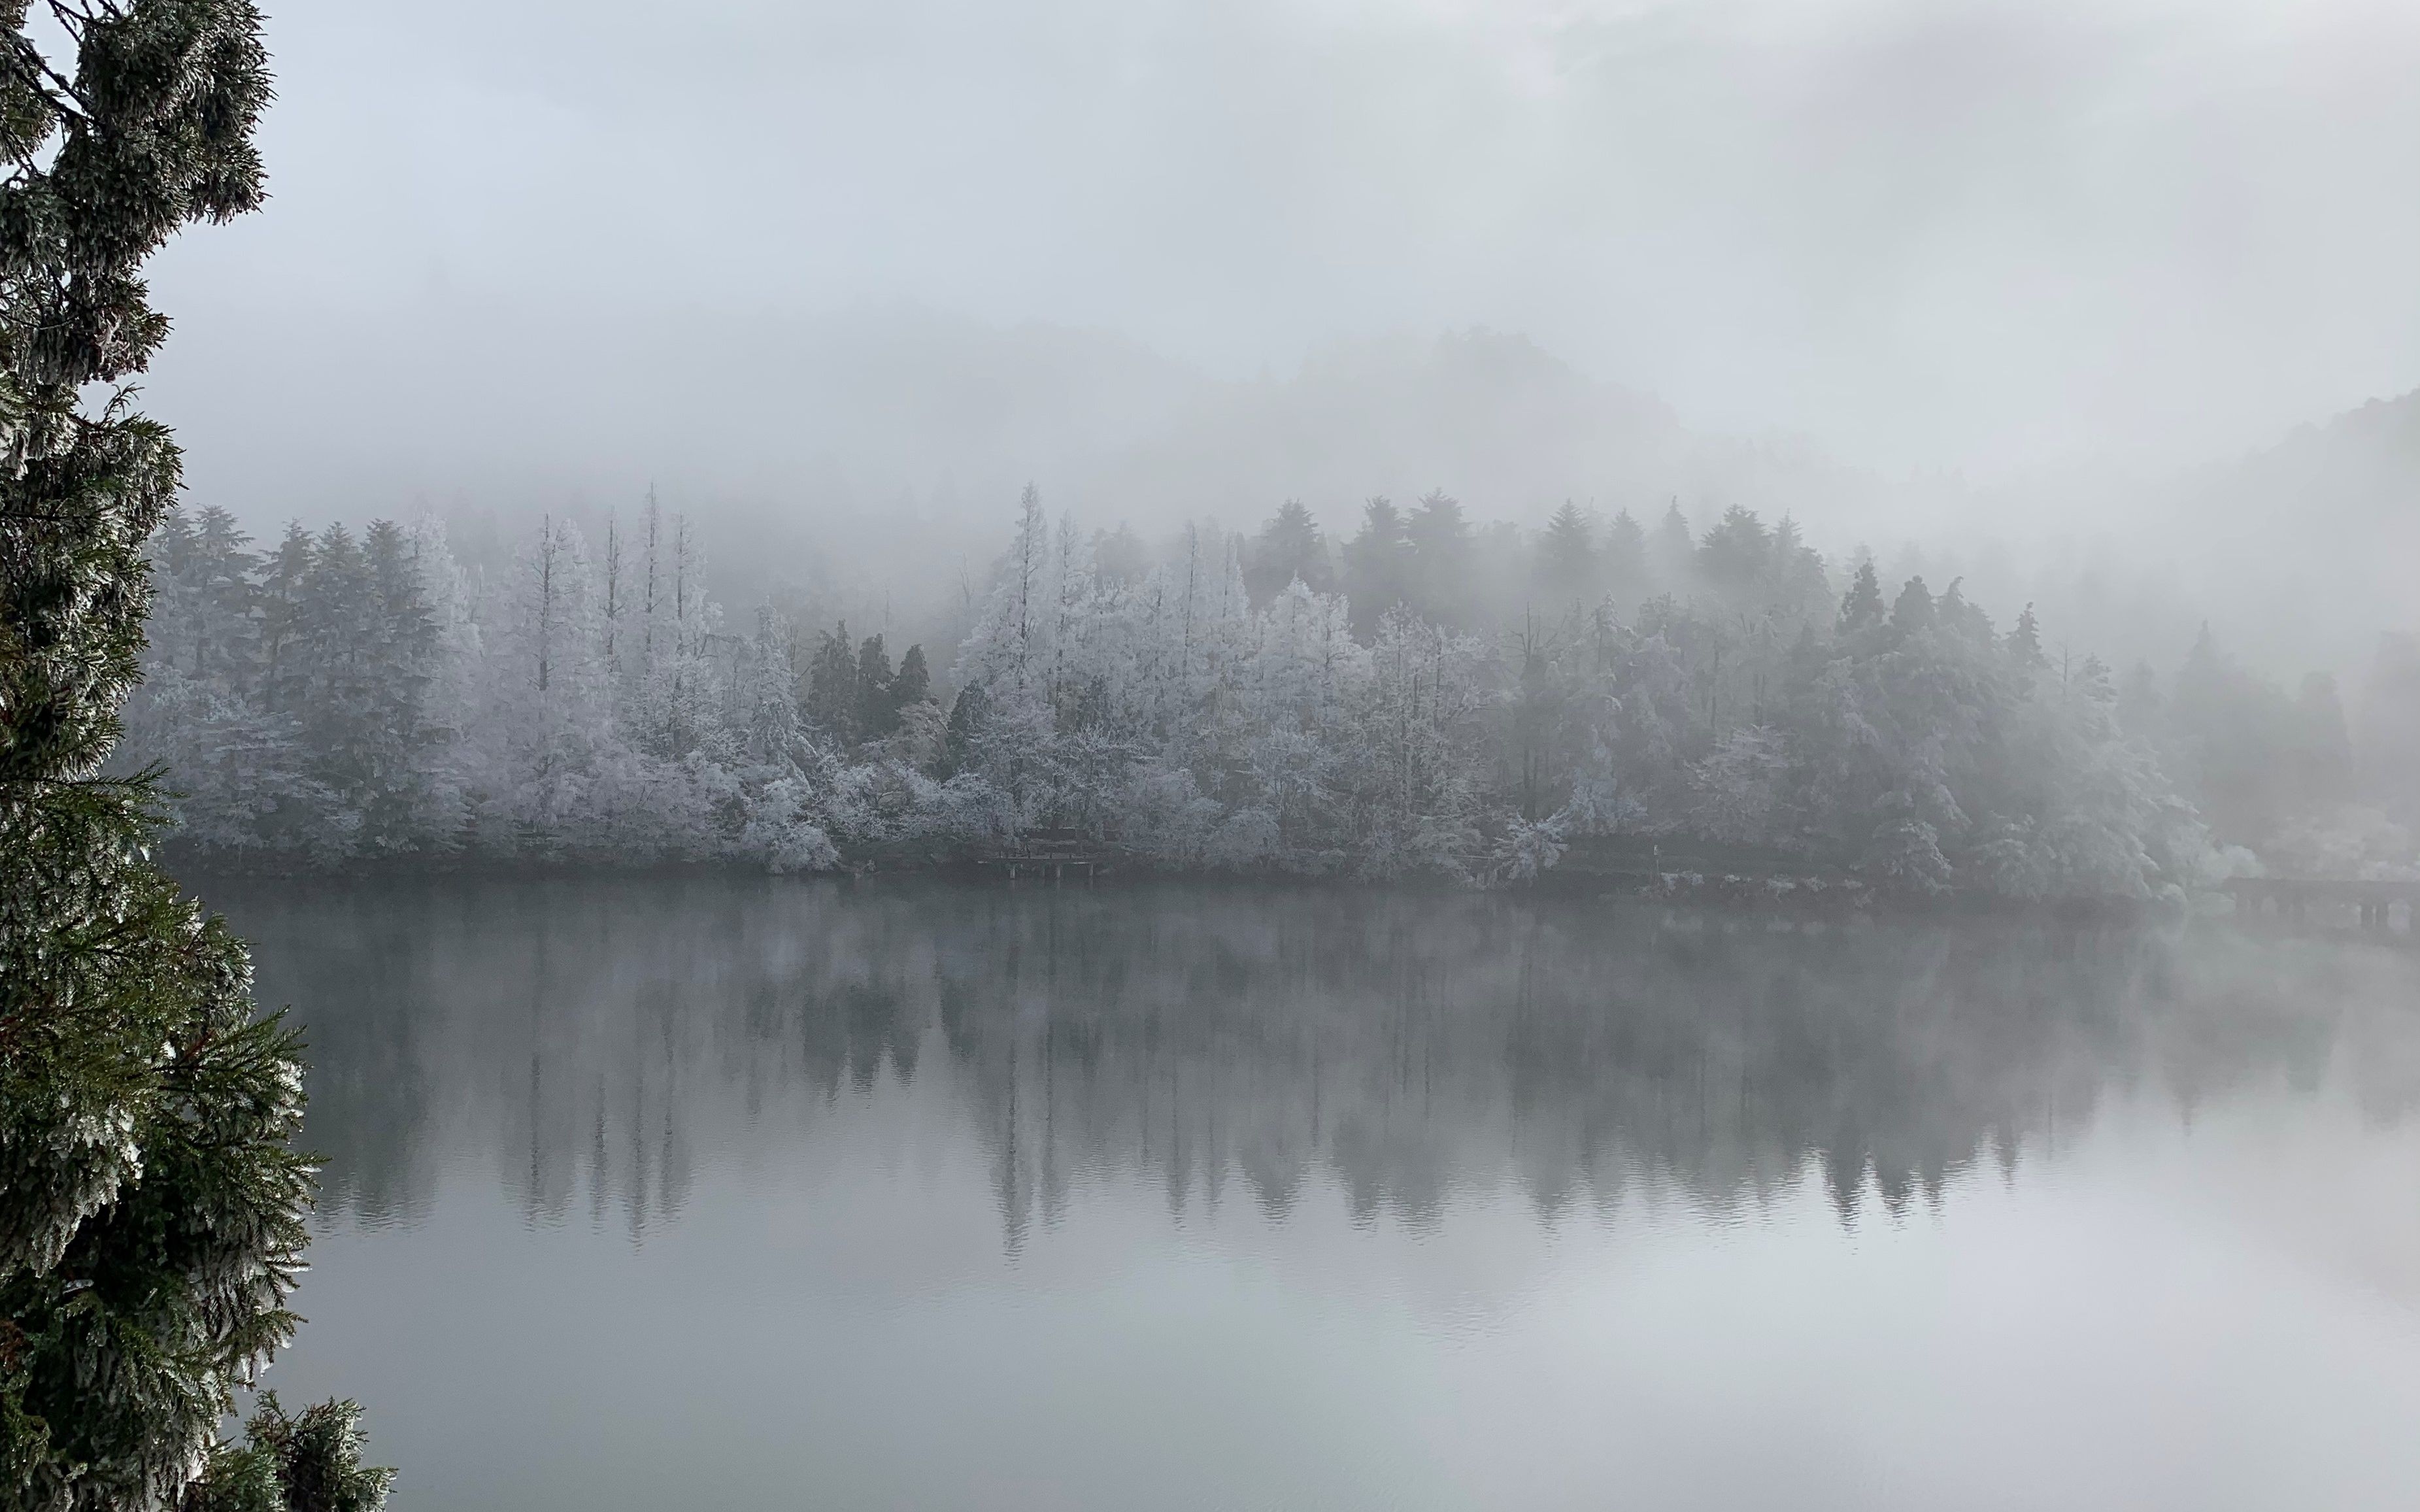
740, 1193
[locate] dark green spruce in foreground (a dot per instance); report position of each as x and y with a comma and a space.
151, 1209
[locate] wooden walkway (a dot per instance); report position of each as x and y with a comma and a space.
1055, 854
2293, 898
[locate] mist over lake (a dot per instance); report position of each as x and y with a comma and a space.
1414, 754
735, 1191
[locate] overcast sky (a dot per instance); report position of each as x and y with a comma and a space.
1981, 236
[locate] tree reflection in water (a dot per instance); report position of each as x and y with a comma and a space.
603, 1039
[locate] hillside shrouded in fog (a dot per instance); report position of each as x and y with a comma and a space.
839, 281
1951, 444
1210, 753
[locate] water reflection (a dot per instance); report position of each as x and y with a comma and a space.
602, 1043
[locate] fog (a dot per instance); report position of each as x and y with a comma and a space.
2091, 324
992, 1198
1210, 753
755, 252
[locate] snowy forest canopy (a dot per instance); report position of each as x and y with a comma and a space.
1425, 698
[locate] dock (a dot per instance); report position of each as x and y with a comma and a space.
1053, 853
2293, 898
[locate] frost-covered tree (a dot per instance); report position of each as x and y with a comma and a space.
1174, 707
553, 738
153, 1219
833, 702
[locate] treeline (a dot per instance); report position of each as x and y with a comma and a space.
339, 698
2311, 788
1267, 702
1434, 561
1897, 737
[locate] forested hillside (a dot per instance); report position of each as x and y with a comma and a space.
2317, 539
1424, 697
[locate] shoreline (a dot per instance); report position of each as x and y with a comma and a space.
1817, 898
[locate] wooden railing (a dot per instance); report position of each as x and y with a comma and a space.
2293, 896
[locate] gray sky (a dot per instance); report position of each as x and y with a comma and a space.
1987, 237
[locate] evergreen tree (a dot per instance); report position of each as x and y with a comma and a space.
1289, 547
1624, 559
335, 696
548, 735
833, 703
202, 596
1673, 554
1441, 560
1566, 566
1736, 556
2094, 681
153, 1223
282, 586
310, 1461
1960, 617
222, 571
1912, 612
878, 695
2024, 641
1861, 607
1377, 564
913, 684
398, 659
1797, 584
769, 718
969, 720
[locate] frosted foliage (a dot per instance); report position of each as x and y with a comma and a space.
591, 706
558, 713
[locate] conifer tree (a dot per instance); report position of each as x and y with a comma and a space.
833, 700
877, 704
1797, 584
1735, 555
913, 684
280, 596
1289, 546
2024, 641
153, 1219
202, 598
1861, 607
1440, 541
1377, 564
1674, 549
1625, 558
969, 720
1913, 610
1566, 559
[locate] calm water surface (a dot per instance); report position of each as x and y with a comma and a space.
749, 1194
